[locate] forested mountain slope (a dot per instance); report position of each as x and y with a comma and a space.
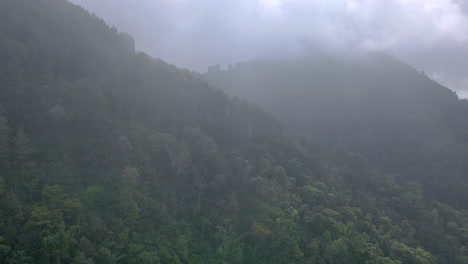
111, 156
396, 117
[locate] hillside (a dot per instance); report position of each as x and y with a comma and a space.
111, 156
398, 118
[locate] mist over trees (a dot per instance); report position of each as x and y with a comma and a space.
395, 116
108, 155
430, 35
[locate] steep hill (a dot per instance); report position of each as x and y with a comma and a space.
111, 156
398, 118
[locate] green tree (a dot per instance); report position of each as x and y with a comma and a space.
5, 137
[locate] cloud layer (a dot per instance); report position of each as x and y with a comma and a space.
432, 35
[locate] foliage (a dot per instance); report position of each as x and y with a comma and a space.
110, 156
398, 118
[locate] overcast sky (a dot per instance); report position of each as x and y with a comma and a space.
431, 35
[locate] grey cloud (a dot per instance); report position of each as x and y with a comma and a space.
432, 35
464, 5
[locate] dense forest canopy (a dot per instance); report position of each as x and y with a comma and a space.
398, 118
110, 156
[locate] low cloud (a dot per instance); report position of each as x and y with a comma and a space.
431, 35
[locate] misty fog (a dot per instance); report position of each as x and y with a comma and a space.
431, 35
234, 131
